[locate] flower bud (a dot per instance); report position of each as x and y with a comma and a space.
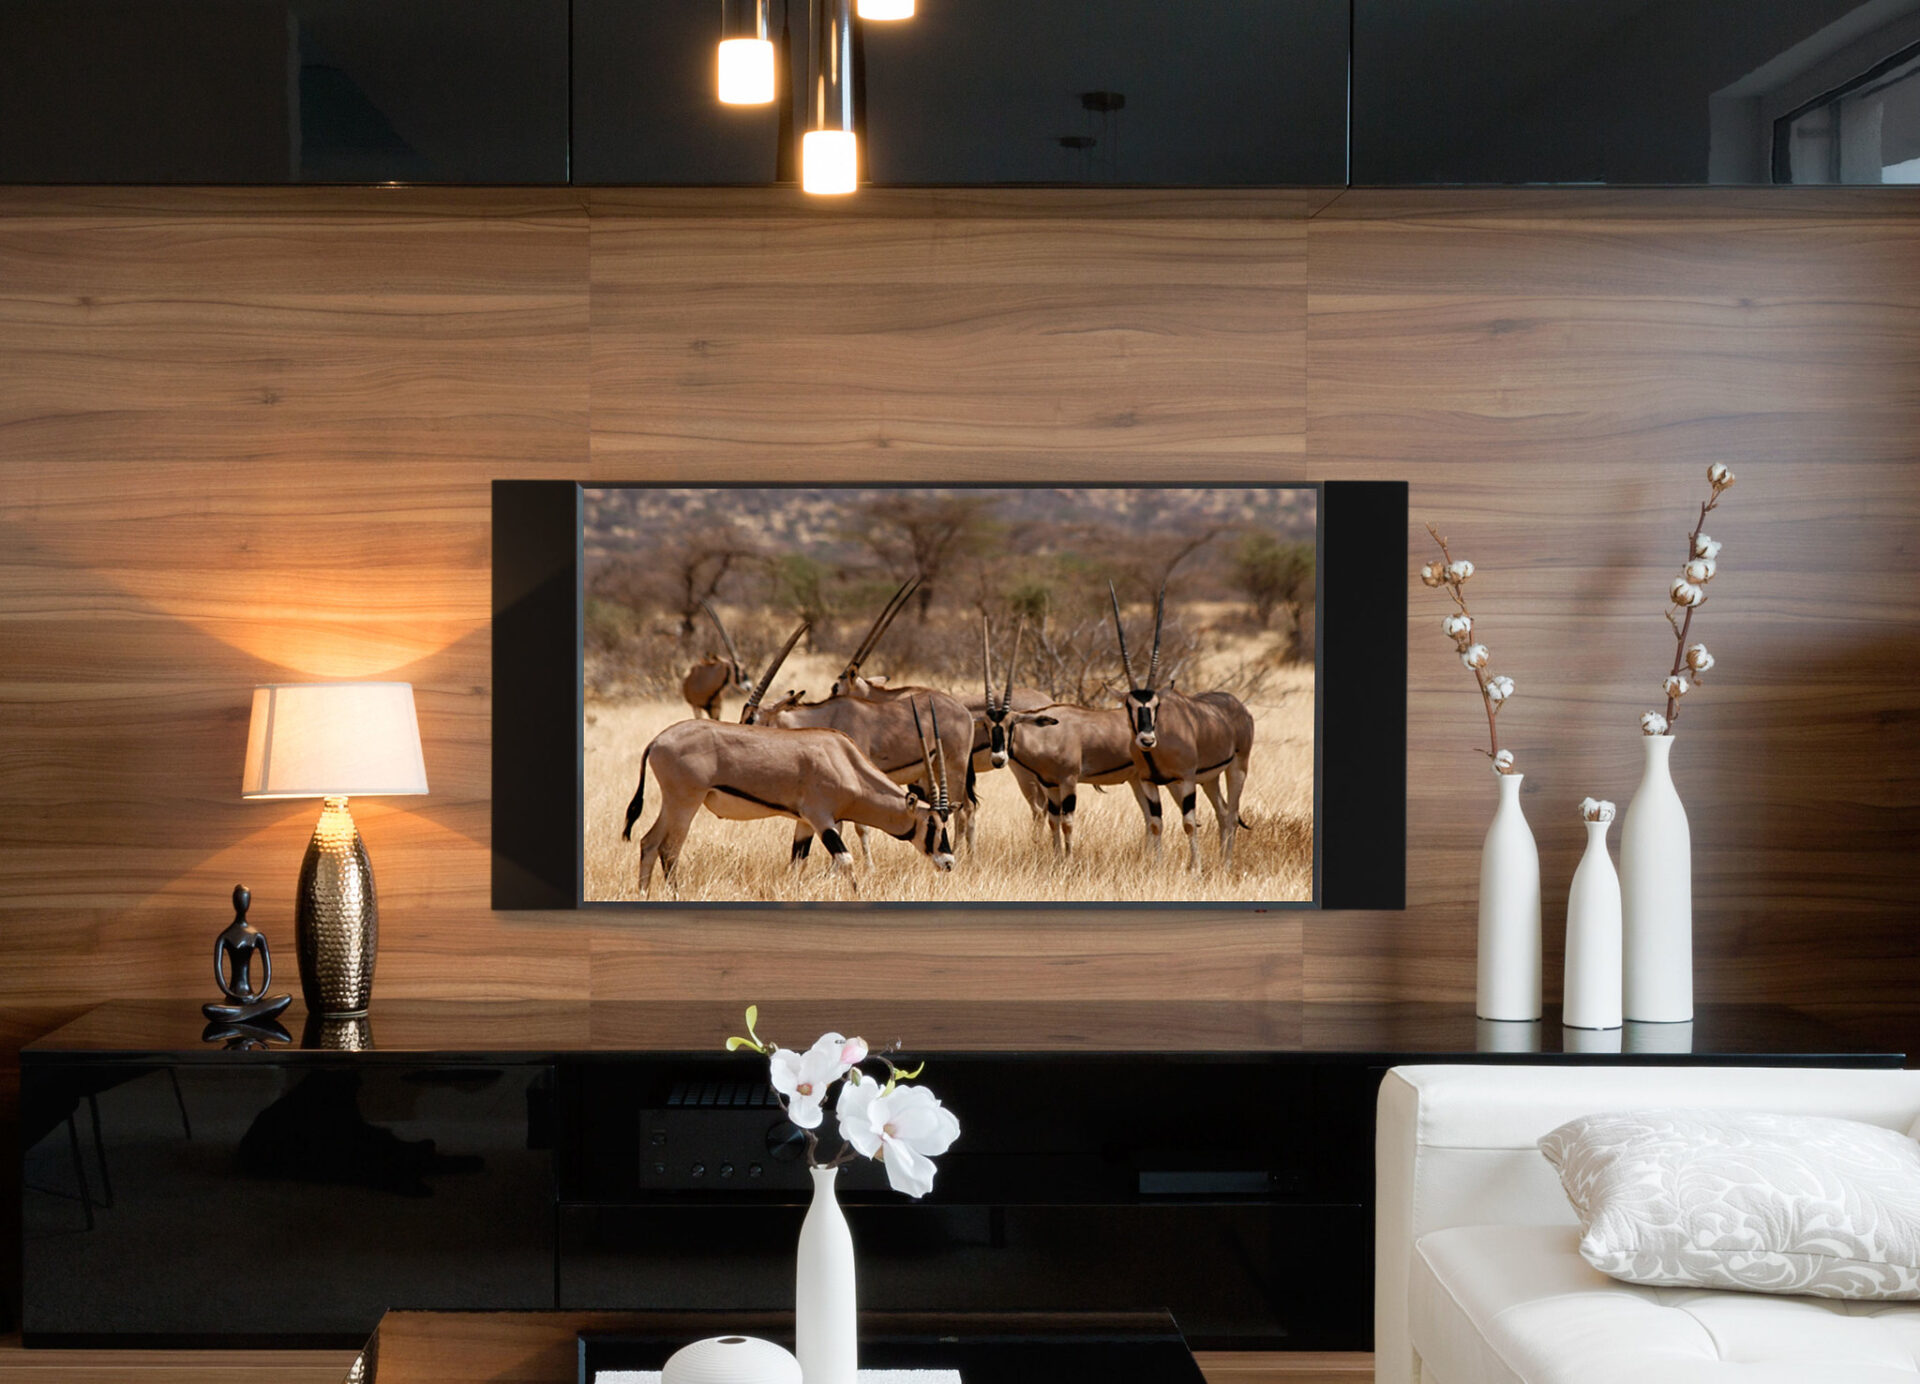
1676, 686
1719, 477
1699, 571
1705, 547
1503, 762
1499, 689
1698, 658
1457, 625
1685, 593
1653, 723
1459, 570
1474, 655
1433, 574
1596, 810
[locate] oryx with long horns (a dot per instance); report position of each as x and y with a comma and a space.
880, 722
713, 677
1056, 748
817, 777
992, 713
1186, 743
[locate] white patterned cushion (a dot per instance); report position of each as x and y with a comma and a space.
1746, 1200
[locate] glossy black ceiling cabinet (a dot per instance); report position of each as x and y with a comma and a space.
283, 91
1634, 91
1207, 93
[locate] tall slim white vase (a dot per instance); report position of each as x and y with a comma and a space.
1656, 895
1509, 962
1591, 995
825, 1336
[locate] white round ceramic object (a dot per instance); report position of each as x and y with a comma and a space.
731, 1360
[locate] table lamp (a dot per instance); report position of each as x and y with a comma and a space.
333, 741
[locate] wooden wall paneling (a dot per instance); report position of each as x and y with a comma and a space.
247, 439
1556, 385
248, 433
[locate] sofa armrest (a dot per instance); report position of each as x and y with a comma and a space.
1458, 1146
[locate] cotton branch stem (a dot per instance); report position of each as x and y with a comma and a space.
1479, 674
1683, 626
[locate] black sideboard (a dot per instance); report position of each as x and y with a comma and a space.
1114, 1157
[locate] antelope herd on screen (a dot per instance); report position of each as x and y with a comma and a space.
885, 758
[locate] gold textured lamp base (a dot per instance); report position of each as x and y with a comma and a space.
336, 920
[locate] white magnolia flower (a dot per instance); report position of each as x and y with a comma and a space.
804, 1078
1653, 723
1459, 570
1433, 573
1596, 809
905, 1128
1699, 571
1457, 625
1685, 593
1503, 762
1719, 477
1474, 655
1705, 547
1698, 658
1676, 686
1499, 689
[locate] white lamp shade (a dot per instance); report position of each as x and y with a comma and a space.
333, 740
746, 71
829, 162
886, 9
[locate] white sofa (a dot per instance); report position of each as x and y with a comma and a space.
1478, 1277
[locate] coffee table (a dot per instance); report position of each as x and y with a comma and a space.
986, 1348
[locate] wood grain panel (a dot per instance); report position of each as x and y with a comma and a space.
1555, 378
1133, 332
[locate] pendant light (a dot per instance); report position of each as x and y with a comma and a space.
829, 151
886, 9
746, 52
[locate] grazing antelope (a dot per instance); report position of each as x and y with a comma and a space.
1187, 742
817, 777
1058, 747
991, 713
712, 677
881, 724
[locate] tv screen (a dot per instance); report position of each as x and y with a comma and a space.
907, 695
967, 696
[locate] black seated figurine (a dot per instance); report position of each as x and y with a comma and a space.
233, 953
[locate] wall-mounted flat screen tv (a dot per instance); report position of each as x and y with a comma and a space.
949, 696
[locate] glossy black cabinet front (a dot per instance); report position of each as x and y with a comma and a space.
283, 91
271, 1200
1223, 93
1629, 91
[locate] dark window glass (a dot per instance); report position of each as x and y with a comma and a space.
1202, 93
1597, 91
277, 91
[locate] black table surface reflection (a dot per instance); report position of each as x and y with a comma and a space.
405, 1030
984, 1348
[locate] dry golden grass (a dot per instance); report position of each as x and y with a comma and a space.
1012, 862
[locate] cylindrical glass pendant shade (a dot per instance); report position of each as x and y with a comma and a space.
746, 52
886, 9
829, 151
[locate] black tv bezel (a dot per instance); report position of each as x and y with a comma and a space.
1360, 700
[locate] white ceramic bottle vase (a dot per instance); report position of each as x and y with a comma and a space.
1591, 996
1656, 896
1509, 971
824, 1333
